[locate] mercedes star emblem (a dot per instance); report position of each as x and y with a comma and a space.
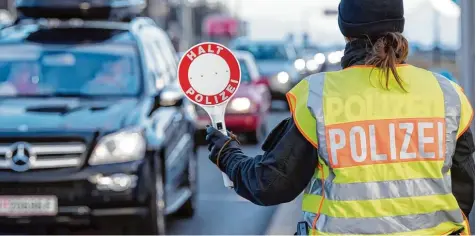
20, 156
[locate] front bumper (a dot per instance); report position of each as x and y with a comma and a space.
278, 90
79, 216
81, 198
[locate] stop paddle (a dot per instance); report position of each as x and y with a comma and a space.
209, 75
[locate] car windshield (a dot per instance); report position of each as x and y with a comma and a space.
264, 51
80, 70
245, 72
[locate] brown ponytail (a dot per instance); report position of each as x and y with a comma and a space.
387, 52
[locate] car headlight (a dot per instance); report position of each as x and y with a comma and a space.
240, 104
335, 57
123, 146
312, 65
300, 64
283, 77
320, 58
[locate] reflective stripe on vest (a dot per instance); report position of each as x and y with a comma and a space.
384, 156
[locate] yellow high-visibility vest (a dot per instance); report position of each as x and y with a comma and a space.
384, 155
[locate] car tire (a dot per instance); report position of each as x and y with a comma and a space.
257, 136
155, 223
191, 182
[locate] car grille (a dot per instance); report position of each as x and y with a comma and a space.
44, 155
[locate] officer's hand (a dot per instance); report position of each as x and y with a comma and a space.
216, 140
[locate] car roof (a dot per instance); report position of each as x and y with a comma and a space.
240, 54
21, 33
250, 62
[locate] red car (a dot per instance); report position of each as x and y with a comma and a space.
247, 111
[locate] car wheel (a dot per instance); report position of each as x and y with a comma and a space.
155, 224
257, 136
190, 182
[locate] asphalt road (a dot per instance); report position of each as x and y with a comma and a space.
220, 210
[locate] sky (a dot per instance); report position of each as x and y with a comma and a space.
276, 18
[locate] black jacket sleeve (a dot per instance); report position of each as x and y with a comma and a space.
462, 172
277, 176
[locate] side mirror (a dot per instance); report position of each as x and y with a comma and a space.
170, 97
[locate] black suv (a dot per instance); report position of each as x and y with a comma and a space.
93, 126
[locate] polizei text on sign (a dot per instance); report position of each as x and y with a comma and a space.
215, 99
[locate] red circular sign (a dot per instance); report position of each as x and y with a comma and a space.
209, 74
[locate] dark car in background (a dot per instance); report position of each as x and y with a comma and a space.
314, 58
332, 55
277, 61
95, 130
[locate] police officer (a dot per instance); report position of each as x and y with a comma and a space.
371, 145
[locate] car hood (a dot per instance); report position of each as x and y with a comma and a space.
65, 114
270, 68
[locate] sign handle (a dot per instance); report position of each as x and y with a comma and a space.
217, 115
209, 75
220, 125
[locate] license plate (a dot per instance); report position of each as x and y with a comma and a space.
28, 205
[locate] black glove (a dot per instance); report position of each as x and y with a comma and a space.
216, 140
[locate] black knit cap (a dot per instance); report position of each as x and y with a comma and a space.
372, 18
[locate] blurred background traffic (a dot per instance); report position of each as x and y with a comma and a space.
277, 42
